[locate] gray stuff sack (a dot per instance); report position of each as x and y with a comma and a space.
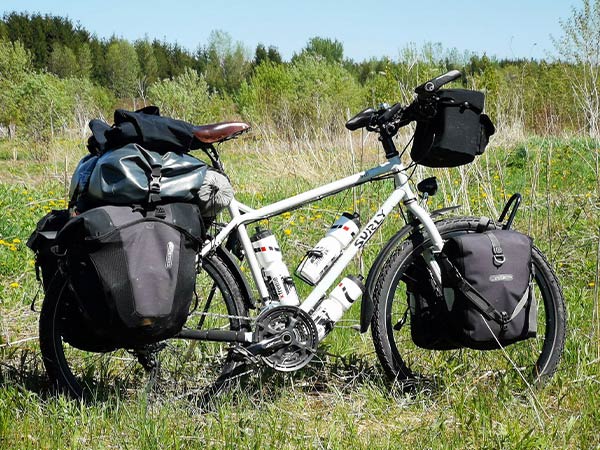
123, 177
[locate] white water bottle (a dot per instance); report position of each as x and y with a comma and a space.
319, 260
275, 272
339, 301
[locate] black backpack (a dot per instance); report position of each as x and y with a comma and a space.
145, 126
127, 274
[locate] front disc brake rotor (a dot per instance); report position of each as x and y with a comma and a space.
298, 333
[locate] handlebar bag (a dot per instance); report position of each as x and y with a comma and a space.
130, 274
457, 133
487, 280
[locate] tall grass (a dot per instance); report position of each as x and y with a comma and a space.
341, 400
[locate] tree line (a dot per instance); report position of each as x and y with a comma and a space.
55, 75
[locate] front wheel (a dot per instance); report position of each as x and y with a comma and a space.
533, 360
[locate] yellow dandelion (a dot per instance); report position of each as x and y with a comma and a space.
12, 248
16, 241
14, 284
591, 284
287, 231
287, 215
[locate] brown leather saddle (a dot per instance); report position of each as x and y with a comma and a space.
219, 132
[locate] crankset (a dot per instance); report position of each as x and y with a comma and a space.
286, 338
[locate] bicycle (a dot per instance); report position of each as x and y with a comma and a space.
223, 340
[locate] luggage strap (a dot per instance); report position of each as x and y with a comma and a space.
476, 298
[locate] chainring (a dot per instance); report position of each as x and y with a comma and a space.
298, 334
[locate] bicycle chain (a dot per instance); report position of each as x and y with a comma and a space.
225, 316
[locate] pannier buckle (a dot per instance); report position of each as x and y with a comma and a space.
499, 257
155, 184
505, 320
155, 178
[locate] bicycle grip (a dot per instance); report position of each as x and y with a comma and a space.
390, 113
436, 83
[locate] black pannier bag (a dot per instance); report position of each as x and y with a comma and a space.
41, 242
429, 318
488, 286
130, 274
456, 134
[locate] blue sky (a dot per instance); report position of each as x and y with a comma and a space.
505, 28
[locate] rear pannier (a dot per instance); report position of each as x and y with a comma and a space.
456, 134
130, 273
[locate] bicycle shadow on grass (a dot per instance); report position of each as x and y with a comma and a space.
22, 369
342, 376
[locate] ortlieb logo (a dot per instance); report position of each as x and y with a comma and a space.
169, 259
501, 277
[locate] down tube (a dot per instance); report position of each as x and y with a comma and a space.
359, 242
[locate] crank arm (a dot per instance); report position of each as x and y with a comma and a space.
215, 335
270, 344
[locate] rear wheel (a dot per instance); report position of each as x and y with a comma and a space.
532, 360
177, 366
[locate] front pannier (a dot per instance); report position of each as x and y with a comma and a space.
131, 272
429, 318
456, 134
488, 286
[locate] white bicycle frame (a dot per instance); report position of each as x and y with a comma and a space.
242, 215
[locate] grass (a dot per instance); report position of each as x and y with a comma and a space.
341, 400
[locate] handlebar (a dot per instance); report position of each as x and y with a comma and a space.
434, 84
389, 119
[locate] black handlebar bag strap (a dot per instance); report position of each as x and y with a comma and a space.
457, 133
131, 271
488, 286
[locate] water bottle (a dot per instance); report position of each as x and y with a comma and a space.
339, 301
319, 260
275, 273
